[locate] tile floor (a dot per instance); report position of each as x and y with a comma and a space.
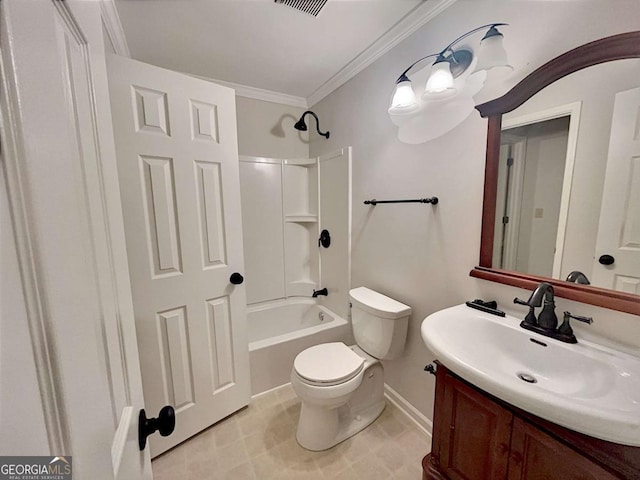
258, 443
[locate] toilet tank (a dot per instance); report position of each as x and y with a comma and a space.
379, 323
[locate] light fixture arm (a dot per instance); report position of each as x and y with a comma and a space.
403, 77
471, 32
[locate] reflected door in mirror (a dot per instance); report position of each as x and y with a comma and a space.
619, 229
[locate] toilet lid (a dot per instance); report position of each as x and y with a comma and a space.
328, 363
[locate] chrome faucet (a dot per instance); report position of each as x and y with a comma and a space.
547, 321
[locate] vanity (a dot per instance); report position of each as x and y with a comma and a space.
478, 436
512, 404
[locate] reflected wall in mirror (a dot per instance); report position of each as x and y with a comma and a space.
562, 184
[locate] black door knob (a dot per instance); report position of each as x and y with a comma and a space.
164, 423
606, 260
236, 278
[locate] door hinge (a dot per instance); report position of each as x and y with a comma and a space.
505, 220
509, 161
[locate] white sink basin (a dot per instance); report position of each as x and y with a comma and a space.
585, 387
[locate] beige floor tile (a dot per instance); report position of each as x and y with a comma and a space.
414, 444
231, 455
391, 456
265, 466
331, 461
408, 472
258, 443
346, 474
226, 433
370, 468
244, 471
355, 448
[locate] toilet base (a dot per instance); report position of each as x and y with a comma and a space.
321, 428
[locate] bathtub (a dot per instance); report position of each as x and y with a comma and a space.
279, 330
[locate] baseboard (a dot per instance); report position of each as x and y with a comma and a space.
271, 390
422, 422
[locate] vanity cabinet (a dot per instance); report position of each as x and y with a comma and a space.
479, 437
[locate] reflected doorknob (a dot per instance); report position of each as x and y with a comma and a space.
606, 260
164, 423
236, 278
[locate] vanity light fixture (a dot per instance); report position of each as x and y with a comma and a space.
447, 97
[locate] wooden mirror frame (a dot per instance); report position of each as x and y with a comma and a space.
616, 47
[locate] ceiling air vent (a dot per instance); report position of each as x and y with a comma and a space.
312, 7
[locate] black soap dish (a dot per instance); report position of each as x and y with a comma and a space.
488, 307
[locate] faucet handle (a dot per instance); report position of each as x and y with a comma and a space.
530, 319
588, 320
566, 330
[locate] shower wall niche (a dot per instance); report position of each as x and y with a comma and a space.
280, 227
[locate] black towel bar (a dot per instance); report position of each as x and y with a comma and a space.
432, 201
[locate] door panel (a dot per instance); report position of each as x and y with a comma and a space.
619, 227
477, 442
537, 456
178, 168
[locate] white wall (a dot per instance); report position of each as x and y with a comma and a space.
419, 254
265, 129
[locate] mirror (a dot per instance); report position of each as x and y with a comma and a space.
548, 146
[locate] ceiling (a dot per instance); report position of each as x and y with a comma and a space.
270, 46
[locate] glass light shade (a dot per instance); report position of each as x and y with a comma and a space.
440, 78
404, 95
492, 54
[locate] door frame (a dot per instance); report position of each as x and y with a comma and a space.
572, 110
115, 359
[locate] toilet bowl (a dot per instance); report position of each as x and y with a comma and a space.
342, 387
331, 411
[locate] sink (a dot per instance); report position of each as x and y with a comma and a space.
586, 387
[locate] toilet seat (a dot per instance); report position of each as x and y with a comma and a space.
328, 364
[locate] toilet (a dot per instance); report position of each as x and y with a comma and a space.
342, 387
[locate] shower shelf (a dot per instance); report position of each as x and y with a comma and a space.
306, 218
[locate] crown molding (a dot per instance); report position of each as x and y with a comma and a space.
401, 30
420, 15
260, 93
113, 27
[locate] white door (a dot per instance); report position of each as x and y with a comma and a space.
619, 227
59, 177
178, 167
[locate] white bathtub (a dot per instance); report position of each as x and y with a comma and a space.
279, 330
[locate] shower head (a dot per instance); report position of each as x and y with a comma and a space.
302, 126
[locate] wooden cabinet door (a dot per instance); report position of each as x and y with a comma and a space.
537, 456
475, 434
